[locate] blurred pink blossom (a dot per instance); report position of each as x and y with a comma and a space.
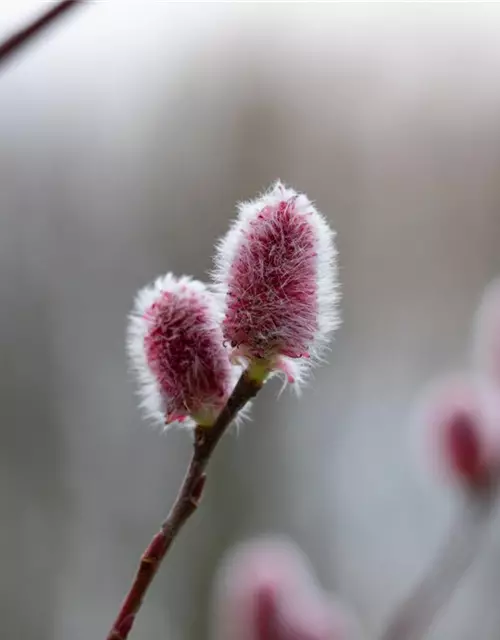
266, 591
462, 416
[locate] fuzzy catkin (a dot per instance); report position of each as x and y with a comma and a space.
276, 273
176, 348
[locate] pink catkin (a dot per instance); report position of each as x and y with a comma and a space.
272, 302
465, 448
266, 592
462, 415
277, 274
176, 345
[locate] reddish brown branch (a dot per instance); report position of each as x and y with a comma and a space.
206, 439
416, 615
22, 37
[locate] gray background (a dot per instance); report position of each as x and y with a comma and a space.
125, 139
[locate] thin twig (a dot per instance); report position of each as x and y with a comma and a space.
416, 615
22, 37
186, 503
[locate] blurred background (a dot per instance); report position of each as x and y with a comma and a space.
127, 134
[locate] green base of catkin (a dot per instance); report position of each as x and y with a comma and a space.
206, 419
258, 370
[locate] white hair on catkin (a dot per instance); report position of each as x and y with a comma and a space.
152, 399
326, 271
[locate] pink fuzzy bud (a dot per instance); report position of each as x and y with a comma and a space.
176, 346
463, 417
487, 332
266, 592
277, 273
